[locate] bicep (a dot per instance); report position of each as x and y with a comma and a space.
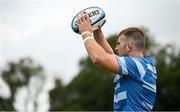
109, 62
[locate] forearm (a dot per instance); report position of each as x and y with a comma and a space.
101, 40
93, 48
100, 57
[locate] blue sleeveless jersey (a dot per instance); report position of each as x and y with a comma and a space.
135, 85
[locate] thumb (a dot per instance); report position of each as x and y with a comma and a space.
94, 29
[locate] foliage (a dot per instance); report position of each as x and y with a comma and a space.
168, 64
16, 75
92, 89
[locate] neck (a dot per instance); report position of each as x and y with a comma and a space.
136, 54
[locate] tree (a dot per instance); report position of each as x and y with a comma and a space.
92, 89
168, 64
17, 75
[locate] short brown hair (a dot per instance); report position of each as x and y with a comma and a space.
136, 35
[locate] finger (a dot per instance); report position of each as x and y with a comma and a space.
94, 29
79, 19
86, 16
77, 23
82, 16
89, 20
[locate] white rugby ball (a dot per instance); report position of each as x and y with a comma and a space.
96, 16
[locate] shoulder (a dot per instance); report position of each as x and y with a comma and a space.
125, 59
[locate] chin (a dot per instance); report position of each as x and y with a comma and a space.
122, 54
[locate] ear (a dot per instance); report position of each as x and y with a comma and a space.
129, 47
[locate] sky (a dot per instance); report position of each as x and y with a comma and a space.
41, 28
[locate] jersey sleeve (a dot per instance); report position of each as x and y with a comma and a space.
129, 66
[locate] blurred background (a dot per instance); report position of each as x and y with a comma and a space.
44, 65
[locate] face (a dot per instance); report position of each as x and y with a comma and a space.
121, 45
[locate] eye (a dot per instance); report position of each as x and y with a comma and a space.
118, 43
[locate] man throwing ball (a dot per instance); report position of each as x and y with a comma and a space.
135, 79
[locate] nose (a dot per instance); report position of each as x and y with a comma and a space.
116, 50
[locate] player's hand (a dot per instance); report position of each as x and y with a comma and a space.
84, 24
98, 30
